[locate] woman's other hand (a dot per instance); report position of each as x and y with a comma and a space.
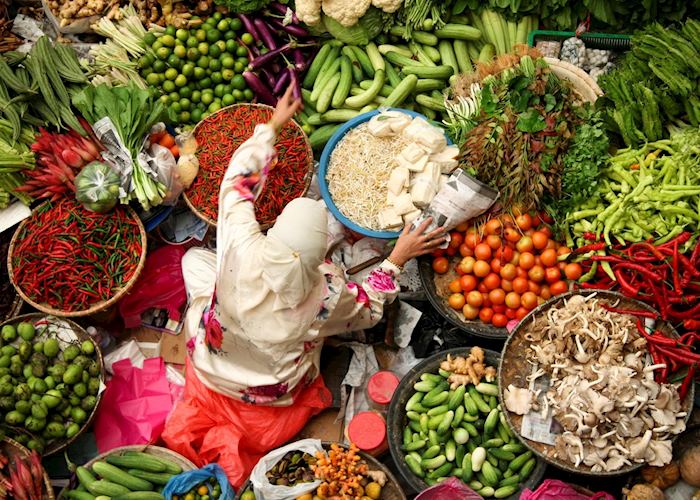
285, 110
416, 243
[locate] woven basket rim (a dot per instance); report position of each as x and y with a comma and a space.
307, 177
24, 451
585, 86
100, 306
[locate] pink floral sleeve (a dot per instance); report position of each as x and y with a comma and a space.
354, 306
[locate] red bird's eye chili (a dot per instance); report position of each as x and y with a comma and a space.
70, 259
219, 136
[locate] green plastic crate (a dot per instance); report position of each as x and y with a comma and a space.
603, 41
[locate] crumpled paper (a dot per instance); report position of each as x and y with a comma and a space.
362, 365
135, 405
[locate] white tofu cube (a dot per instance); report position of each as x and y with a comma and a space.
423, 190
403, 204
446, 159
389, 219
380, 128
413, 152
411, 216
398, 180
416, 166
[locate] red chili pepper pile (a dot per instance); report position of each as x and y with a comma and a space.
23, 479
220, 135
659, 275
70, 259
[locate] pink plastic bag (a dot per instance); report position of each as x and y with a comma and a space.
552, 489
449, 489
160, 286
134, 406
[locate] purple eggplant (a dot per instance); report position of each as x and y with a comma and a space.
300, 60
270, 56
249, 26
262, 92
283, 9
265, 34
291, 29
282, 82
296, 85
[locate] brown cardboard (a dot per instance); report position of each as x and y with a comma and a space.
173, 348
324, 427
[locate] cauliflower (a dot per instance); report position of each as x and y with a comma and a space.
346, 12
309, 11
388, 6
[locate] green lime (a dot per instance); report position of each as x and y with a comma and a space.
146, 72
264, 50
170, 30
247, 38
222, 45
164, 99
180, 51
242, 51
248, 94
182, 34
185, 104
149, 39
236, 24
196, 115
174, 96
175, 106
203, 48
227, 74
192, 54
205, 83
210, 22
222, 25
219, 90
218, 16
230, 35
213, 35
203, 62
216, 77
196, 96
174, 61
207, 98
215, 65
191, 42
185, 117
168, 86
170, 74
187, 69
238, 95
231, 46
239, 67
168, 40
200, 35
163, 53
206, 115
145, 61
159, 66
228, 62
214, 50
185, 91
199, 73
214, 107
156, 45
181, 80
228, 99
238, 82
243, 60
153, 79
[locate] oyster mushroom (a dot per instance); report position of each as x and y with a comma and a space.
658, 453
517, 399
639, 445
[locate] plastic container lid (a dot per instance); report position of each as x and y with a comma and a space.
367, 430
381, 387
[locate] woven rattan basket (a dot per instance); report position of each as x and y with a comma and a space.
12, 449
307, 177
581, 81
100, 306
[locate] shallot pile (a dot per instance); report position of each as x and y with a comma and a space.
601, 387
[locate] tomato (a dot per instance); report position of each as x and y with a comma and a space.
465, 251
459, 271
462, 228
487, 302
526, 261
520, 285
516, 258
441, 265
438, 252
524, 221
493, 226
549, 257
510, 313
475, 299
451, 251
507, 285
482, 288
456, 301
551, 244
507, 220
528, 300
533, 287
506, 254
481, 268
472, 240
536, 273
455, 286
562, 250
499, 320
545, 293
496, 265
470, 312
508, 271
536, 220
524, 244
456, 239
546, 230
521, 313
539, 240
573, 271
492, 281
482, 251
521, 273
512, 300
497, 296
552, 274
467, 283
493, 241
561, 265
466, 265
511, 234
486, 314
499, 309
546, 217
558, 287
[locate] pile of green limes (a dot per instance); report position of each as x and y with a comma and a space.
198, 71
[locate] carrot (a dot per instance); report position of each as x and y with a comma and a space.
175, 150
167, 141
155, 138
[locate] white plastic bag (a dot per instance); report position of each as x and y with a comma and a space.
266, 491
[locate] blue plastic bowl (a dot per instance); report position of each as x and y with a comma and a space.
323, 167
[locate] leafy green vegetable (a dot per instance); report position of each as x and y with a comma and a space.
243, 6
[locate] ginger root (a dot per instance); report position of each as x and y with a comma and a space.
468, 370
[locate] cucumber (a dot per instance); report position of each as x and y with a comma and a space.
400, 49
368, 95
323, 79
431, 452
442, 471
414, 400
442, 72
159, 478
316, 65
487, 389
447, 56
457, 397
118, 476
326, 95
459, 416
458, 32
392, 75
491, 422
78, 495
364, 61
355, 63
527, 469
315, 120
414, 465
462, 56
339, 115
107, 488
427, 84
343, 89
85, 477
425, 38
430, 102
399, 60
424, 386
438, 410
375, 57
505, 491
170, 466
433, 463
487, 53
451, 450
520, 461
321, 135
432, 52
421, 55
140, 495
446, 421
416, 445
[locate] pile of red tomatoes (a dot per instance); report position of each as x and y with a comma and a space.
508, 267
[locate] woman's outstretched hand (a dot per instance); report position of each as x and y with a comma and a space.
285, 110
416, 243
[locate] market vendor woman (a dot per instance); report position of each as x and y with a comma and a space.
259, 309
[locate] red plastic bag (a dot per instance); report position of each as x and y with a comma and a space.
160, 286
553, 489
207, 427
449, 489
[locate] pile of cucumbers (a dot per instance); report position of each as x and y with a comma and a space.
132, 475
463, 433
344, 81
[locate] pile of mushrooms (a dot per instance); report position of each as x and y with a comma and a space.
601, 387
